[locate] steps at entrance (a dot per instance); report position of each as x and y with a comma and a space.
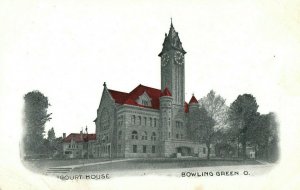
58, 170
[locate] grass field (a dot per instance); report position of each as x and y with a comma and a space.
104, 165
43, 164
143, 164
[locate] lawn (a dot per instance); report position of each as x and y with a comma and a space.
41, 166
165, 163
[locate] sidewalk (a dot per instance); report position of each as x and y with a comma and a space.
263, 162
94, 163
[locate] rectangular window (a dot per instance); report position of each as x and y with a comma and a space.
153, 149
119, 148
204, 150
122, 118
140, 120
145, 121
144, 148
150, 122
154, 122
134, 148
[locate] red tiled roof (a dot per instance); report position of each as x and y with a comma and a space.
186, 107
118, 96
77, 137
130, 102
129, 98
193, 100
166, 92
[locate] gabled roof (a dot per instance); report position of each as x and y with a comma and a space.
193, 100
78, 138
118, 96
153, 93
131, 97
166, 92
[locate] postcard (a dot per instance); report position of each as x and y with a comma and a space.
152, 95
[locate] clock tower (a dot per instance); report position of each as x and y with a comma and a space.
172, 66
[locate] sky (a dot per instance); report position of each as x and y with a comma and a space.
68, 49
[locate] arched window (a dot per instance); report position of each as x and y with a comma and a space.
139, 120
144, 135
153, 136
134, 135
120, 135
133, 119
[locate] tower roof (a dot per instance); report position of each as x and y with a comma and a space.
193, 100
166, 92
172, 41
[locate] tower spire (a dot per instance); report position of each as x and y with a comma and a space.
172, 41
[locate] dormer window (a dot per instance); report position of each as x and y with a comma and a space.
144, 100
145, 103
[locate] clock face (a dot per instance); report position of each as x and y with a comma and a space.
179, 58
165, 59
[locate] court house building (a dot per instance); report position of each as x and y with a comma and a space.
150, 122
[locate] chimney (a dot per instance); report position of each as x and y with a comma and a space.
64, 135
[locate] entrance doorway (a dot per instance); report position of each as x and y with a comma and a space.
184, 151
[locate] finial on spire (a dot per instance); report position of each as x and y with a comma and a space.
171, 22
104, 84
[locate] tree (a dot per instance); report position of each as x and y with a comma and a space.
206, 130
51, 135
35, 118
243, 116
265, 137
213, 116
50, 142
216, 109
274, 139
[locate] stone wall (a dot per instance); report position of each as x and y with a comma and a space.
144, 131
106, 137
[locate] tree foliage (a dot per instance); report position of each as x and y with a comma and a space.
265, 137
35, 118
213, 118
51, 135
216, 109
243, 117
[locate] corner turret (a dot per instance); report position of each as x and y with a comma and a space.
166, 100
